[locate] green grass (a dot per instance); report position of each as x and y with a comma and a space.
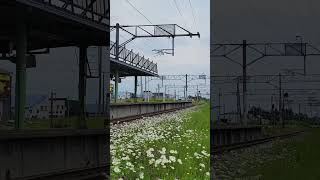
303, 161
192, 136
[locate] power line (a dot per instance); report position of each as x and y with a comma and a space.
143, 16
138, 11
175, 2
169, 2
192, 11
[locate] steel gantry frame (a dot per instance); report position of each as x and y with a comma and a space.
173, 86
268, 78
154, 31
186, 78
144, 31
94, 10
263, 50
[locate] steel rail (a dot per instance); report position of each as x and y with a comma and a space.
89, 173
226, 148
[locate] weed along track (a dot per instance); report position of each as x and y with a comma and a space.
170, 145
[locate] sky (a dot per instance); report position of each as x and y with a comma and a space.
264, 21
191, 54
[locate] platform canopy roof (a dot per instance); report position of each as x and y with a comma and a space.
55, 23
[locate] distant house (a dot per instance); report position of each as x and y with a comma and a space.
74, 105
39, 107
160, 95
126, 95
157, 95
43, 107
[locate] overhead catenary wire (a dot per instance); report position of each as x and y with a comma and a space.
193, 14
142, 14
139, 11
179, 11
176, 4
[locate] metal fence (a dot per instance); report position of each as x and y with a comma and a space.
95, 10
134, 59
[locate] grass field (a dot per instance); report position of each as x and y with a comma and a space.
303, 161
169, 146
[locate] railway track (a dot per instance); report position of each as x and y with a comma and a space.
132, 118
226, 148
93, 173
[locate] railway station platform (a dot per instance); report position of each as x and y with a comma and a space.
54, 23
53, 153
32, 27
123, 110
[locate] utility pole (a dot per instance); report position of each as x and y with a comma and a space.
304, 65
162, 81
280, 100
51, 110
197, 93
117, 58
158, 96
68, 106
244, 71
186, 86
260, 120
145, 88
303, 52
224, 111
164, 94
219, 101
117, 41
141, 87
103, 94
135, 88
116, 86
273, 121
238, 101
283, 109
100, 79
299, 112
